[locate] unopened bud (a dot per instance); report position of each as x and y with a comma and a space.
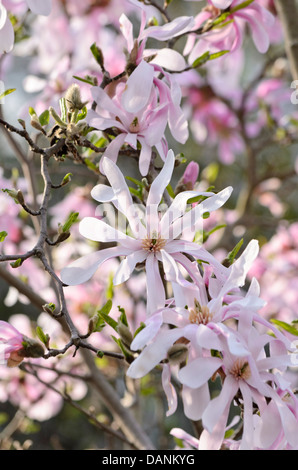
73, 98
36, 124
125, 334
177, 353
31, 348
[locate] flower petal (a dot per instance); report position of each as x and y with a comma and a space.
127, 266
84, 268
138, 88
197, 372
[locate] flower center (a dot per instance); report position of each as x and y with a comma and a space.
240, 370
200, 315
153, 245
134, 126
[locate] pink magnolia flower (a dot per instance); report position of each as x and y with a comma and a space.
231, 36
135, 112
165, 57
140, 112
15, 346
154, 236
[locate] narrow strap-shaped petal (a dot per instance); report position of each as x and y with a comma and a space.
125, 202
85, 267
155, 291
99, 231
127, 266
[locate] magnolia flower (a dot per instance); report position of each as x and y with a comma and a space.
39, 7
165, 57
14, 346
154, 238
140, 112
135, 112
250, 378
255, 16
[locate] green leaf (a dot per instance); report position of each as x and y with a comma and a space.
72, 219
141, 327
3, 235
216, 55
201, 60
285, 326
87, 79
7, 92
123, 317
82, 114
32, 111
103, 313
44, 338
17, 263
171, 191
44, 118
232, 255
242, 5
97, 54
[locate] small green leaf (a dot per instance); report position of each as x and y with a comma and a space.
16, 264
3, 235
201, 60
171, 191
123, 317
216, 55
97, 54
44, 338
87, 79
104, 314
32, 111
242, 5
44, 118
7, 92
66, 179
285, 326
141, 327
232, 255
72, 219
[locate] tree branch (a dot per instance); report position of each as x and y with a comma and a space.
288, 14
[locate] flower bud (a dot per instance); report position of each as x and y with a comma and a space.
73, 98
177, 353
125, 334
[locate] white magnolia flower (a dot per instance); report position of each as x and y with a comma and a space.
155, 237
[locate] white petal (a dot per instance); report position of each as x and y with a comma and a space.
199, 371
127, 266
84, 268
155, 291
138, 88
161, 181
103, 193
